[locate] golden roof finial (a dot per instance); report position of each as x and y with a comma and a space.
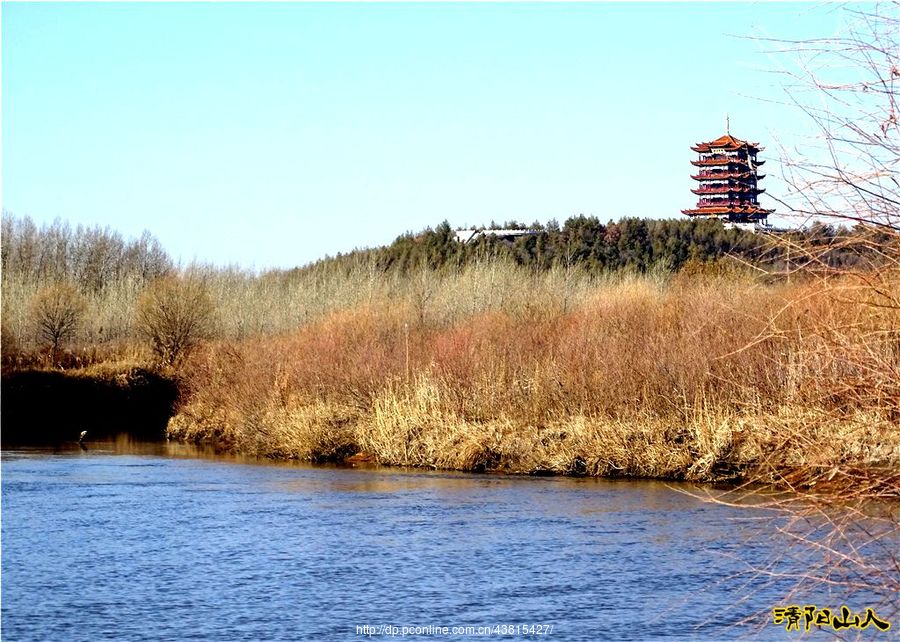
727, 126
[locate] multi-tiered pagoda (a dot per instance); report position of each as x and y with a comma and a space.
728, 181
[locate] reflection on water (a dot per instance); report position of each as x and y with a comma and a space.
165, 541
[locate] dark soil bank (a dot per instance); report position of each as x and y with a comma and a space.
44, 407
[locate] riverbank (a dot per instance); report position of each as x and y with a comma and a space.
702, 379
702, 375
412, 430
412, 426
45, 406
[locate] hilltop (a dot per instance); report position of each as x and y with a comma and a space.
584, 242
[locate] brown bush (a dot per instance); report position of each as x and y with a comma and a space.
174, 315
56, 311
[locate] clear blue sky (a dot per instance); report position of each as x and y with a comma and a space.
273, 134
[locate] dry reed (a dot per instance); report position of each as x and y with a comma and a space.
701, 378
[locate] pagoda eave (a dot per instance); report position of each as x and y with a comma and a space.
723, 176
714, 162
727, 190
726, 176
753, 212
705, 149
721, 162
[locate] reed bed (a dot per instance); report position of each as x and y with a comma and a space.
497, 368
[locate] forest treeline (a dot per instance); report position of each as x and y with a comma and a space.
77, 290
94, 257
631, 244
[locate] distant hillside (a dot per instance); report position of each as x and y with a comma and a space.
631, 244
93, 257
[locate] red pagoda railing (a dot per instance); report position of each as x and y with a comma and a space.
722, 161
719, 173
724, 189
723, 202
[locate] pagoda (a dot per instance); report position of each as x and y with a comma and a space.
728, 181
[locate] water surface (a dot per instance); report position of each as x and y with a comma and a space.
155, 542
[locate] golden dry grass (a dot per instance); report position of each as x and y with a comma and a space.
702, 378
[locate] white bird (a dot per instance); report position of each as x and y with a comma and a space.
82, 436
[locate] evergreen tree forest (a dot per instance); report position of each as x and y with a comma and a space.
632, 244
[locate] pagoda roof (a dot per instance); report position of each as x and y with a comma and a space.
728, 142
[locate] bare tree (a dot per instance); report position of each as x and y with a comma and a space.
423, 285
841, 522
91, 257
57, 310
175, 314
848, 87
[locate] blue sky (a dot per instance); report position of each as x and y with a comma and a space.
273, 134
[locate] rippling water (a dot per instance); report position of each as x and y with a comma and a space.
141, 544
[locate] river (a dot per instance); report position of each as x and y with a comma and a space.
158, 541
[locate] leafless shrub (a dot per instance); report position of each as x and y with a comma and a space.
56, 311
174, 315
840, 519
848, 87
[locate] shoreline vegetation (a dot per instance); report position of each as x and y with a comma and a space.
430, 353
685, 378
